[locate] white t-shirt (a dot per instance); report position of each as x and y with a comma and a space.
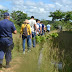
40, 25
48, 27
32, 22
37, 28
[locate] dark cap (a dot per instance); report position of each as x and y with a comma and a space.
6, 14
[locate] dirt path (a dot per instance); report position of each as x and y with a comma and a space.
16, 62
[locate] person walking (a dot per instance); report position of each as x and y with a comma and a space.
32, 23
38, 27
6, 42
26, 34
43, 28
48, 27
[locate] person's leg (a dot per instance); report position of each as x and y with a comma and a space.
8, 57
29, 42
1, 58
1, 53
24, 44
33, 36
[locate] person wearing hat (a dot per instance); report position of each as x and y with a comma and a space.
26, 34
6, 42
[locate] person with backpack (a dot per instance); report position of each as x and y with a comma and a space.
6, 42
32, 23
26, 34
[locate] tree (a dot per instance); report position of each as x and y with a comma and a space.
68, 16
57, 15
19, 17
1, 13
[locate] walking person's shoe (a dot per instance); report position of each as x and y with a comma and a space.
23, 52
0, 65
29, 50
7, 65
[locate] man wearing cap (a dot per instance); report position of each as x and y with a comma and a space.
6, 41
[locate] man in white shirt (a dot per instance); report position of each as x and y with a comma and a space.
32, 23
40, 26
48, 27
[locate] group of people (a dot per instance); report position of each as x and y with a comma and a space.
34, 27
29, 29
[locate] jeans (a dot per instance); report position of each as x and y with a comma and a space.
42, 33
33, 40
28, 42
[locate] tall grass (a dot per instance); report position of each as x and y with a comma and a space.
55, 50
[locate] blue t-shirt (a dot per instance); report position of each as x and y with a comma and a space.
42, 27
48, 27
38, 25
6, 28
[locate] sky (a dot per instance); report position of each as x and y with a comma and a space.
38, 8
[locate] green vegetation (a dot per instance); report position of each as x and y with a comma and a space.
59, 15
57, 47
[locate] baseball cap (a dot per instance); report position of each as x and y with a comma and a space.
6, 14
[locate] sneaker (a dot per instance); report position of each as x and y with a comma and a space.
29, 50
0, 65
23, 52
7, 65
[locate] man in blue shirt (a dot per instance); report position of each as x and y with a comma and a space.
43, 28
6, 42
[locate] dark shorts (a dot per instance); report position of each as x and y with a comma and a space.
48, 30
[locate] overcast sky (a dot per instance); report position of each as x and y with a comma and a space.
38, 8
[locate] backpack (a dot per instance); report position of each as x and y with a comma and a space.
25, 33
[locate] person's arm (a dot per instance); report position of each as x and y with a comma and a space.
44, 28
40, 29
30, 31
35, 27
21, 30
14, 31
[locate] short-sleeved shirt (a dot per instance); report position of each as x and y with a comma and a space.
48, 27
32, 22
43, 27
6, 29
37, 28
39, 25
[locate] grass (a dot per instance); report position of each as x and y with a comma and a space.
55, 50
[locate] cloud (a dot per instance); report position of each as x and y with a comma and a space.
39, 9
2, 7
